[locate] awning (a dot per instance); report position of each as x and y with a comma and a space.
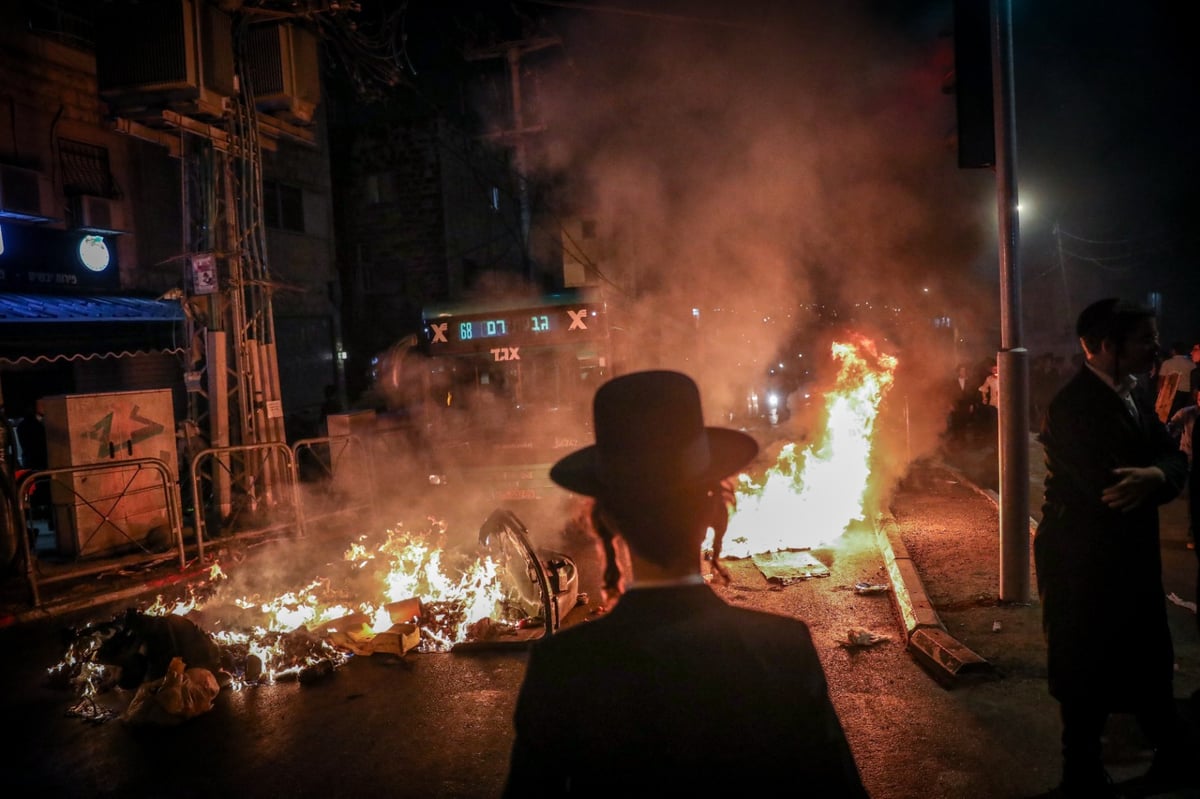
43, 328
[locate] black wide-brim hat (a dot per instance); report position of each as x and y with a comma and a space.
651, 436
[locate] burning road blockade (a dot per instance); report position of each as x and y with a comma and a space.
410, 591
406, 593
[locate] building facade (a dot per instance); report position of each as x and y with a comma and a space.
164, 174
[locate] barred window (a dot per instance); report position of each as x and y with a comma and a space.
85, 169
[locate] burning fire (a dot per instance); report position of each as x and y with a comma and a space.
408, 579
407, 593
807, 499
410, 593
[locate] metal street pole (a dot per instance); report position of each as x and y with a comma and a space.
1013, 358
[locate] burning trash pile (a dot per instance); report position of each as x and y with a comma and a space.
810, 498
407, 593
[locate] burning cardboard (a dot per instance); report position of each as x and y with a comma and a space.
789, 566
408, 593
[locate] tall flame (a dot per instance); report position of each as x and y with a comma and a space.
810, 498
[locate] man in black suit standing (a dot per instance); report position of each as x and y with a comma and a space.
1110, 463
963, 398
673, 692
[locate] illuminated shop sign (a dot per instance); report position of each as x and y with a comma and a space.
44, 259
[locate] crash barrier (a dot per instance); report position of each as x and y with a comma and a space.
255, 500
344, 464
96, 529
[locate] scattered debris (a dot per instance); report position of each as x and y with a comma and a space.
789, 566
182, 693
163, 656
863, 637
996, 626
89, 709
871, 588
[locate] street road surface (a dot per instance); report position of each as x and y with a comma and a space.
437, 725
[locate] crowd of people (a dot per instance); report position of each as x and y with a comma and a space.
972, 396
643, 691
1118, 428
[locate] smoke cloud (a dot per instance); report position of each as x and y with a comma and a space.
767, 177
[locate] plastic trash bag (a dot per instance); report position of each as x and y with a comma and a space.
178, 696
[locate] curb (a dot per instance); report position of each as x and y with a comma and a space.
65, 605
986, 492
947, 659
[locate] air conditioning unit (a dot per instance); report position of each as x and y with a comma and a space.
25, 195
175, 54
281, 71
97, 214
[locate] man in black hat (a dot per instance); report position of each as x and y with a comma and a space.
673, 691
1110, 463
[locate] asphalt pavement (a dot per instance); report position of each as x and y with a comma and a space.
940, 544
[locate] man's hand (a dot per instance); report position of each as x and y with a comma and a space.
1136, 483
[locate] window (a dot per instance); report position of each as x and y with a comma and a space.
71, 22
85, 169
283, 206
383, 187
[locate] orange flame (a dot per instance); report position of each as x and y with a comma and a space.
810, 498
456, 592
806, 499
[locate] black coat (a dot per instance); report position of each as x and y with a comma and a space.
676, 693
964, 397
1099, 570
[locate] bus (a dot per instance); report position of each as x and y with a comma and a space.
506, 387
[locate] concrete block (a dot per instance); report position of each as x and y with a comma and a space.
947, 659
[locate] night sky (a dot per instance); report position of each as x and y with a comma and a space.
1106, 148
807, 146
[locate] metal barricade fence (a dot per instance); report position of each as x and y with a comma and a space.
279, 500
351, 482
104, 518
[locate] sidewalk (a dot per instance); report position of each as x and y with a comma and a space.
941, 544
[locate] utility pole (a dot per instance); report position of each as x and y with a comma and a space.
512, 53
234, 391
1013, 358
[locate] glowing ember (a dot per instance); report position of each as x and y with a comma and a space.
445, 597
810, 498
407, 593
